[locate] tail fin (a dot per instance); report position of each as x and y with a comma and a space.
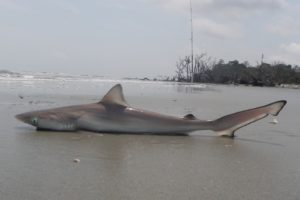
227, 125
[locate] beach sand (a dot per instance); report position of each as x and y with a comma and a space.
263, 162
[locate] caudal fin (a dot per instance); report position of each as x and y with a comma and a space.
227, 125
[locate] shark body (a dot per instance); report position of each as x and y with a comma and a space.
112, 114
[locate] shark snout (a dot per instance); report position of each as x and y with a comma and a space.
24, 117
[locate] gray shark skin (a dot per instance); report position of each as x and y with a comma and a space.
113, 115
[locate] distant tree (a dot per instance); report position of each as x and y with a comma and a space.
207, 69
203, 67
266, 74
180, 71
283, 74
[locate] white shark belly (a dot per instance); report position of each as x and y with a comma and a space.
132, 124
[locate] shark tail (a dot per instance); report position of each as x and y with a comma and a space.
227, 125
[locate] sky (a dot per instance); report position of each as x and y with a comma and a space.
143, 38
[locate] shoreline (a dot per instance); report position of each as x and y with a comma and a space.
6, 75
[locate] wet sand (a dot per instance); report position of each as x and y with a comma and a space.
263, 162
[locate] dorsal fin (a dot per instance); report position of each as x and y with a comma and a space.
189, 117
114, 97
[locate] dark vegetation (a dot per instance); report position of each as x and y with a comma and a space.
208, 70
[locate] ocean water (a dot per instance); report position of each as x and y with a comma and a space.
261, 163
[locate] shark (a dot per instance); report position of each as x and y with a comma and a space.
114, 115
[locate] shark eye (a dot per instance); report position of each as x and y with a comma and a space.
34, 120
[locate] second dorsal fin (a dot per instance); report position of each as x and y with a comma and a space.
189, 117
114, 97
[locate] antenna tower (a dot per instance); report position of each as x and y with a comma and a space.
192, 43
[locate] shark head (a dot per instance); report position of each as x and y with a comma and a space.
30, 118
47, 120
66, 118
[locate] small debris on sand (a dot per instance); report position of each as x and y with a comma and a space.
274, 121
76, 160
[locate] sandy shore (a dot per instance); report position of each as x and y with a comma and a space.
261, 163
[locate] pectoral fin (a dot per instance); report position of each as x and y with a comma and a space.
189, 117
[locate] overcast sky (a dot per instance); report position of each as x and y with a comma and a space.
128, 38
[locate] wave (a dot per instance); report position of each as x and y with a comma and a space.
7, 75
32, 77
